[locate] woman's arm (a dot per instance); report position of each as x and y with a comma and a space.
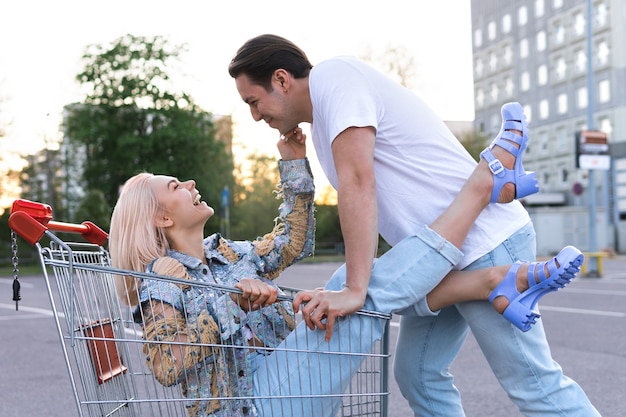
163, 321
292, 239
191, 342
293, 236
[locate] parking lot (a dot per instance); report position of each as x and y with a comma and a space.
585, 323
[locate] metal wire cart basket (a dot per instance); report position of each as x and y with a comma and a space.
105, 349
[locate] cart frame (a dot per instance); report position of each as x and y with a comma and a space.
102, 344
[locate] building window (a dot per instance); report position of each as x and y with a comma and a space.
480, 98
541, 41
582, 98
581, 61
508, 86
524, 81
506, 23
603, 53
528, 111
491, 30
478, 38
559, 33
479, 68
542, 75
561, 103
539, 8
507, 55
561, 68
495, 92
523, 48
564, 175
522, 16
604, 91
493, 61
579, 24
604, 123
544, 109
602, 14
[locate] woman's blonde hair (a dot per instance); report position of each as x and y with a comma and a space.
134, 238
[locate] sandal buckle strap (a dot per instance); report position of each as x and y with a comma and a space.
495, 166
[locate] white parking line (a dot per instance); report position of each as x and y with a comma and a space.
35, 310
23, 284
596, 292
21, 317
583, 311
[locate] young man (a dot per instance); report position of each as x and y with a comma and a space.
396, 168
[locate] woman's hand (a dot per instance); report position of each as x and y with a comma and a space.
292, 145
256, 294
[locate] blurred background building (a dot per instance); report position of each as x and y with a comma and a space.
565, 62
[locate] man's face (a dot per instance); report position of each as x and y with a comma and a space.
272, 106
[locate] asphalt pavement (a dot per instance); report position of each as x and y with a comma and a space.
585, 324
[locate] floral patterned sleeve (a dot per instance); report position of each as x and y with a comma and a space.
293, 237
165, 317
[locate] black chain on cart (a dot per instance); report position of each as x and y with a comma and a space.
14, 260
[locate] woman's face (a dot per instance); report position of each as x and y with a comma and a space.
181, 201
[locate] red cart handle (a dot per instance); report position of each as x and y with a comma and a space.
30, 220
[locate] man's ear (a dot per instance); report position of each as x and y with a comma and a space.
283, 78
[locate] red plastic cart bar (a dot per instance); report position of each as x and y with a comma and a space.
30, 220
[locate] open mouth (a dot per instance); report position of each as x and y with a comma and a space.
196, 200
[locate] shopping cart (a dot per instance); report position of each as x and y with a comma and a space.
102, 343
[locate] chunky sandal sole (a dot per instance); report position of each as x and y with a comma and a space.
513, 118
520, 310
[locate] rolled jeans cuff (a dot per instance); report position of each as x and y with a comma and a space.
440, 245
403, 276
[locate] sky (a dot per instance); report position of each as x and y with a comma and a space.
41, 44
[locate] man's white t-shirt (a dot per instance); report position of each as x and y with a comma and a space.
419, 165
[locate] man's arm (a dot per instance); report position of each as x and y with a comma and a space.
353, 153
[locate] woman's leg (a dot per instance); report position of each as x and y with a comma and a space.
498, 177
305, 375
455, 222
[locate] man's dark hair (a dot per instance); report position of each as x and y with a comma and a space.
259, 57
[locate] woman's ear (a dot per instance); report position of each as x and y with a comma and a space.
163, 221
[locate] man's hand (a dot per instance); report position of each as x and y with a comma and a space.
322, 307
256, 294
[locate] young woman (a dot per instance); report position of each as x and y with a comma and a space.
237, 355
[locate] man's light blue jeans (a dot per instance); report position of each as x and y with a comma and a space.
522, 362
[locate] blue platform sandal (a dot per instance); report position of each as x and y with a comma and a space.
521, 309
513, 118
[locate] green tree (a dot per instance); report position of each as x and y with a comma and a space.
474, 141
255, 205
133, 120
328, 237
94, 207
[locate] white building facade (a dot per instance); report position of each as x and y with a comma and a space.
536, 52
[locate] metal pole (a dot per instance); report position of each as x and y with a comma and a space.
592, 267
